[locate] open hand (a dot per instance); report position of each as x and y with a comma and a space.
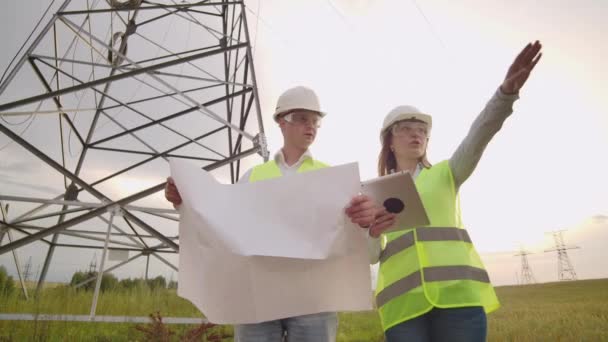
522, 66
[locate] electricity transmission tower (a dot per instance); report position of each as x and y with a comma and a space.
565, 270
93, 264
104, 93
527, 277
27, 272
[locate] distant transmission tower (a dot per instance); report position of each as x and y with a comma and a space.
27, 272
565, 270
93, 264
37, 272
527, 277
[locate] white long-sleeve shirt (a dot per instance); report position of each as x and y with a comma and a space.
467, 155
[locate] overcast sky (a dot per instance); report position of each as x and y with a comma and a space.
545, 170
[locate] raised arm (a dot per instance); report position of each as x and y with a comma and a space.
490, 120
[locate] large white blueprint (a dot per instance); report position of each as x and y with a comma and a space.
280, 263
296, 216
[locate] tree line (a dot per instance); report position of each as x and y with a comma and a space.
109, 282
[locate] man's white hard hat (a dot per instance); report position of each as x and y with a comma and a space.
298, 98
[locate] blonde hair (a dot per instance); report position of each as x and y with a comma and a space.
387, 163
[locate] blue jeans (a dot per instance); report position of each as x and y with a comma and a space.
454, 325
321, 327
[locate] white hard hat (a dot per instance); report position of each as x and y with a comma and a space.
297, 98
405, 113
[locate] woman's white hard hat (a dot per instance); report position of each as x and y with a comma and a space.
405, 112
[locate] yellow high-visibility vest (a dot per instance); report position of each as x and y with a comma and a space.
434, 265
270, 169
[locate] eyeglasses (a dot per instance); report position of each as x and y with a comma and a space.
404, 128
303, 119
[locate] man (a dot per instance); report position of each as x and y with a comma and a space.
299, 116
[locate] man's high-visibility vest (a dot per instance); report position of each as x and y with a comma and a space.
434, 265
270, 169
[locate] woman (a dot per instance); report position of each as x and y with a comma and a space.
432, 285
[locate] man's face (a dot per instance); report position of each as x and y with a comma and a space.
299, 127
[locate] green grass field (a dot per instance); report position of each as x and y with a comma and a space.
567, 311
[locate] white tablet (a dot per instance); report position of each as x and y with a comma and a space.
398, 194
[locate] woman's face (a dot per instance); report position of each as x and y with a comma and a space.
410, 139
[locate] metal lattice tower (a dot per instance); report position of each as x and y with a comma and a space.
93, 264
565, 270
27, 272
105, 93
527, 277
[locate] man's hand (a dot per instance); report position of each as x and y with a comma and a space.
171, 193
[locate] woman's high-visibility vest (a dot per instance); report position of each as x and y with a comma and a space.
434, 265
270, 169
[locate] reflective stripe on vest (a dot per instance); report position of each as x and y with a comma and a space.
430, 274
423, 234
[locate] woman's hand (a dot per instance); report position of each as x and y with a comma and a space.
383, 221
521, 68
361, 211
